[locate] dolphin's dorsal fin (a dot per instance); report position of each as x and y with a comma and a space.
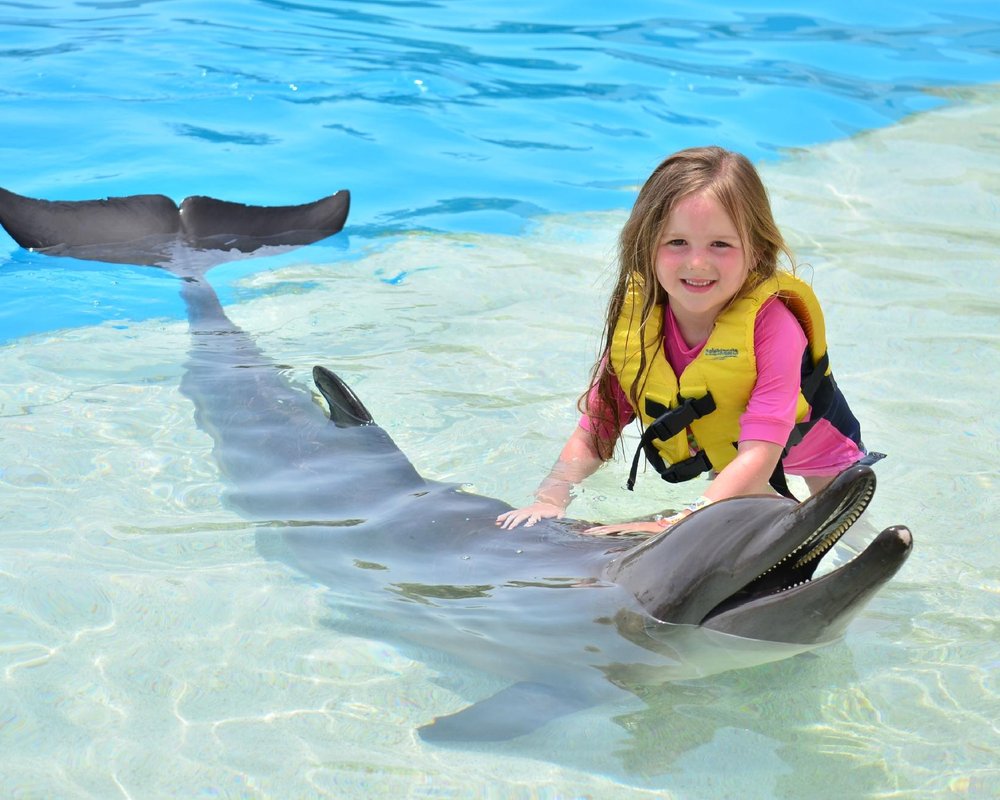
346, 410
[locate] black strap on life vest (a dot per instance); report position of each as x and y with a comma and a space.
814, 377
668, 423
818, 389
779, 483
827, 402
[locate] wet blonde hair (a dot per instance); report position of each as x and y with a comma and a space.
734, 183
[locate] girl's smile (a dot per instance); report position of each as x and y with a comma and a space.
697, 286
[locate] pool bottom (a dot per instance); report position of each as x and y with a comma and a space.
149, 650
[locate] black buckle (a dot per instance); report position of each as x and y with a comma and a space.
669, 423
687, 469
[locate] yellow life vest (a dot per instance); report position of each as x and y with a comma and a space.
714, 390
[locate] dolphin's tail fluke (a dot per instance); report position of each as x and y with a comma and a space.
88, 225
146, 229
346, 409
211, 224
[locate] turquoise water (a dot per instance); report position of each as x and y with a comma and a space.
440, 116
148, 650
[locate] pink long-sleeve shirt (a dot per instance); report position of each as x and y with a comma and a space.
779, 342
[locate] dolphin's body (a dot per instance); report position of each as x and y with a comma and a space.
565, 616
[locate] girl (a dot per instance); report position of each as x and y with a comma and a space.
719, 353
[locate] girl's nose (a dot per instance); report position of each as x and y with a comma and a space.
698, 257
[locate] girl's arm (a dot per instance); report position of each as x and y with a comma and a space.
748, 473
779, 342
578, 460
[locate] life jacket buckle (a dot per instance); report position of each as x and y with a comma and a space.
687, 469
667, 424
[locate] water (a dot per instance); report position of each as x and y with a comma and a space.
148, 650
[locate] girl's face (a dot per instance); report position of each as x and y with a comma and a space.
700, 262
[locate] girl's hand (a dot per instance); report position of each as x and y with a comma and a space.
625, 528
529, 515
652, 527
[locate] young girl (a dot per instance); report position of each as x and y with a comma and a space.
719, 353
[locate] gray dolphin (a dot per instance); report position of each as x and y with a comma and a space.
565, 617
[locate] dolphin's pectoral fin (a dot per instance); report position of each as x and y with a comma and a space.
515, 711
346, 409
211, 224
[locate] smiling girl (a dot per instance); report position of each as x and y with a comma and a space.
719, 353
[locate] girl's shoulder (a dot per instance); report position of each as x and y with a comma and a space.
777, 322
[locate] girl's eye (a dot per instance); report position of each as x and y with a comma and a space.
721, 244
675, 243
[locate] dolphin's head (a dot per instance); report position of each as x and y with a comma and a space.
745, 565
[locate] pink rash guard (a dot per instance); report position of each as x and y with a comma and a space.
770, 415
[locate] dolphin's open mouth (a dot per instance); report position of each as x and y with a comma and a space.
823, 519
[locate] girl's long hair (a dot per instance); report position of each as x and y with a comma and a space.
734, 182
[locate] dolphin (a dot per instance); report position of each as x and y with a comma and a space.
563, 618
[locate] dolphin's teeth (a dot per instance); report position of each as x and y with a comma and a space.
831, 538
821, 539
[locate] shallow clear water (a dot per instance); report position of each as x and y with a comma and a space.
146, 647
